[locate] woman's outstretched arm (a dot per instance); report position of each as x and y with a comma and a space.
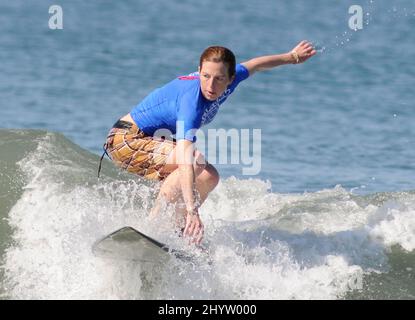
302, 52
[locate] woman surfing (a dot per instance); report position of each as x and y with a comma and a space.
141, 141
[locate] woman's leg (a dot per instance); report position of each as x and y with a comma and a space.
206, 180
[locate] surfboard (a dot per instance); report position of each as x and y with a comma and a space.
128, 243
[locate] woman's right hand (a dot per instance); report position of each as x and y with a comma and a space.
194, 226
303, 51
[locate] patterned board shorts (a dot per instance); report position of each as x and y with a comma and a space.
131, 149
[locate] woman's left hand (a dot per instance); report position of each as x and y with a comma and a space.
303, 51
194, 226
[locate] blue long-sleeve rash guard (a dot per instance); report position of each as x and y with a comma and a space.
180, 106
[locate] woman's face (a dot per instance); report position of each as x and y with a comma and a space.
214, 79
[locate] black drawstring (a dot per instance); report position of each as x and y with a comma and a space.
102, 157
120, 124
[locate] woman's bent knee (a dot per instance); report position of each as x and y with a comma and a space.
210, 176
200, 163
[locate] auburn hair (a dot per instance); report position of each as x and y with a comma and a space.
219, 54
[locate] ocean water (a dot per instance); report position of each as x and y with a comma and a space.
330, 215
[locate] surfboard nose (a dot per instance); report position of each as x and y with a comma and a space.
130, 244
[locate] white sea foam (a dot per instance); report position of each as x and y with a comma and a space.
396, 225
262, 244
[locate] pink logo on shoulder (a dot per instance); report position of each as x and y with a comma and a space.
188, 78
